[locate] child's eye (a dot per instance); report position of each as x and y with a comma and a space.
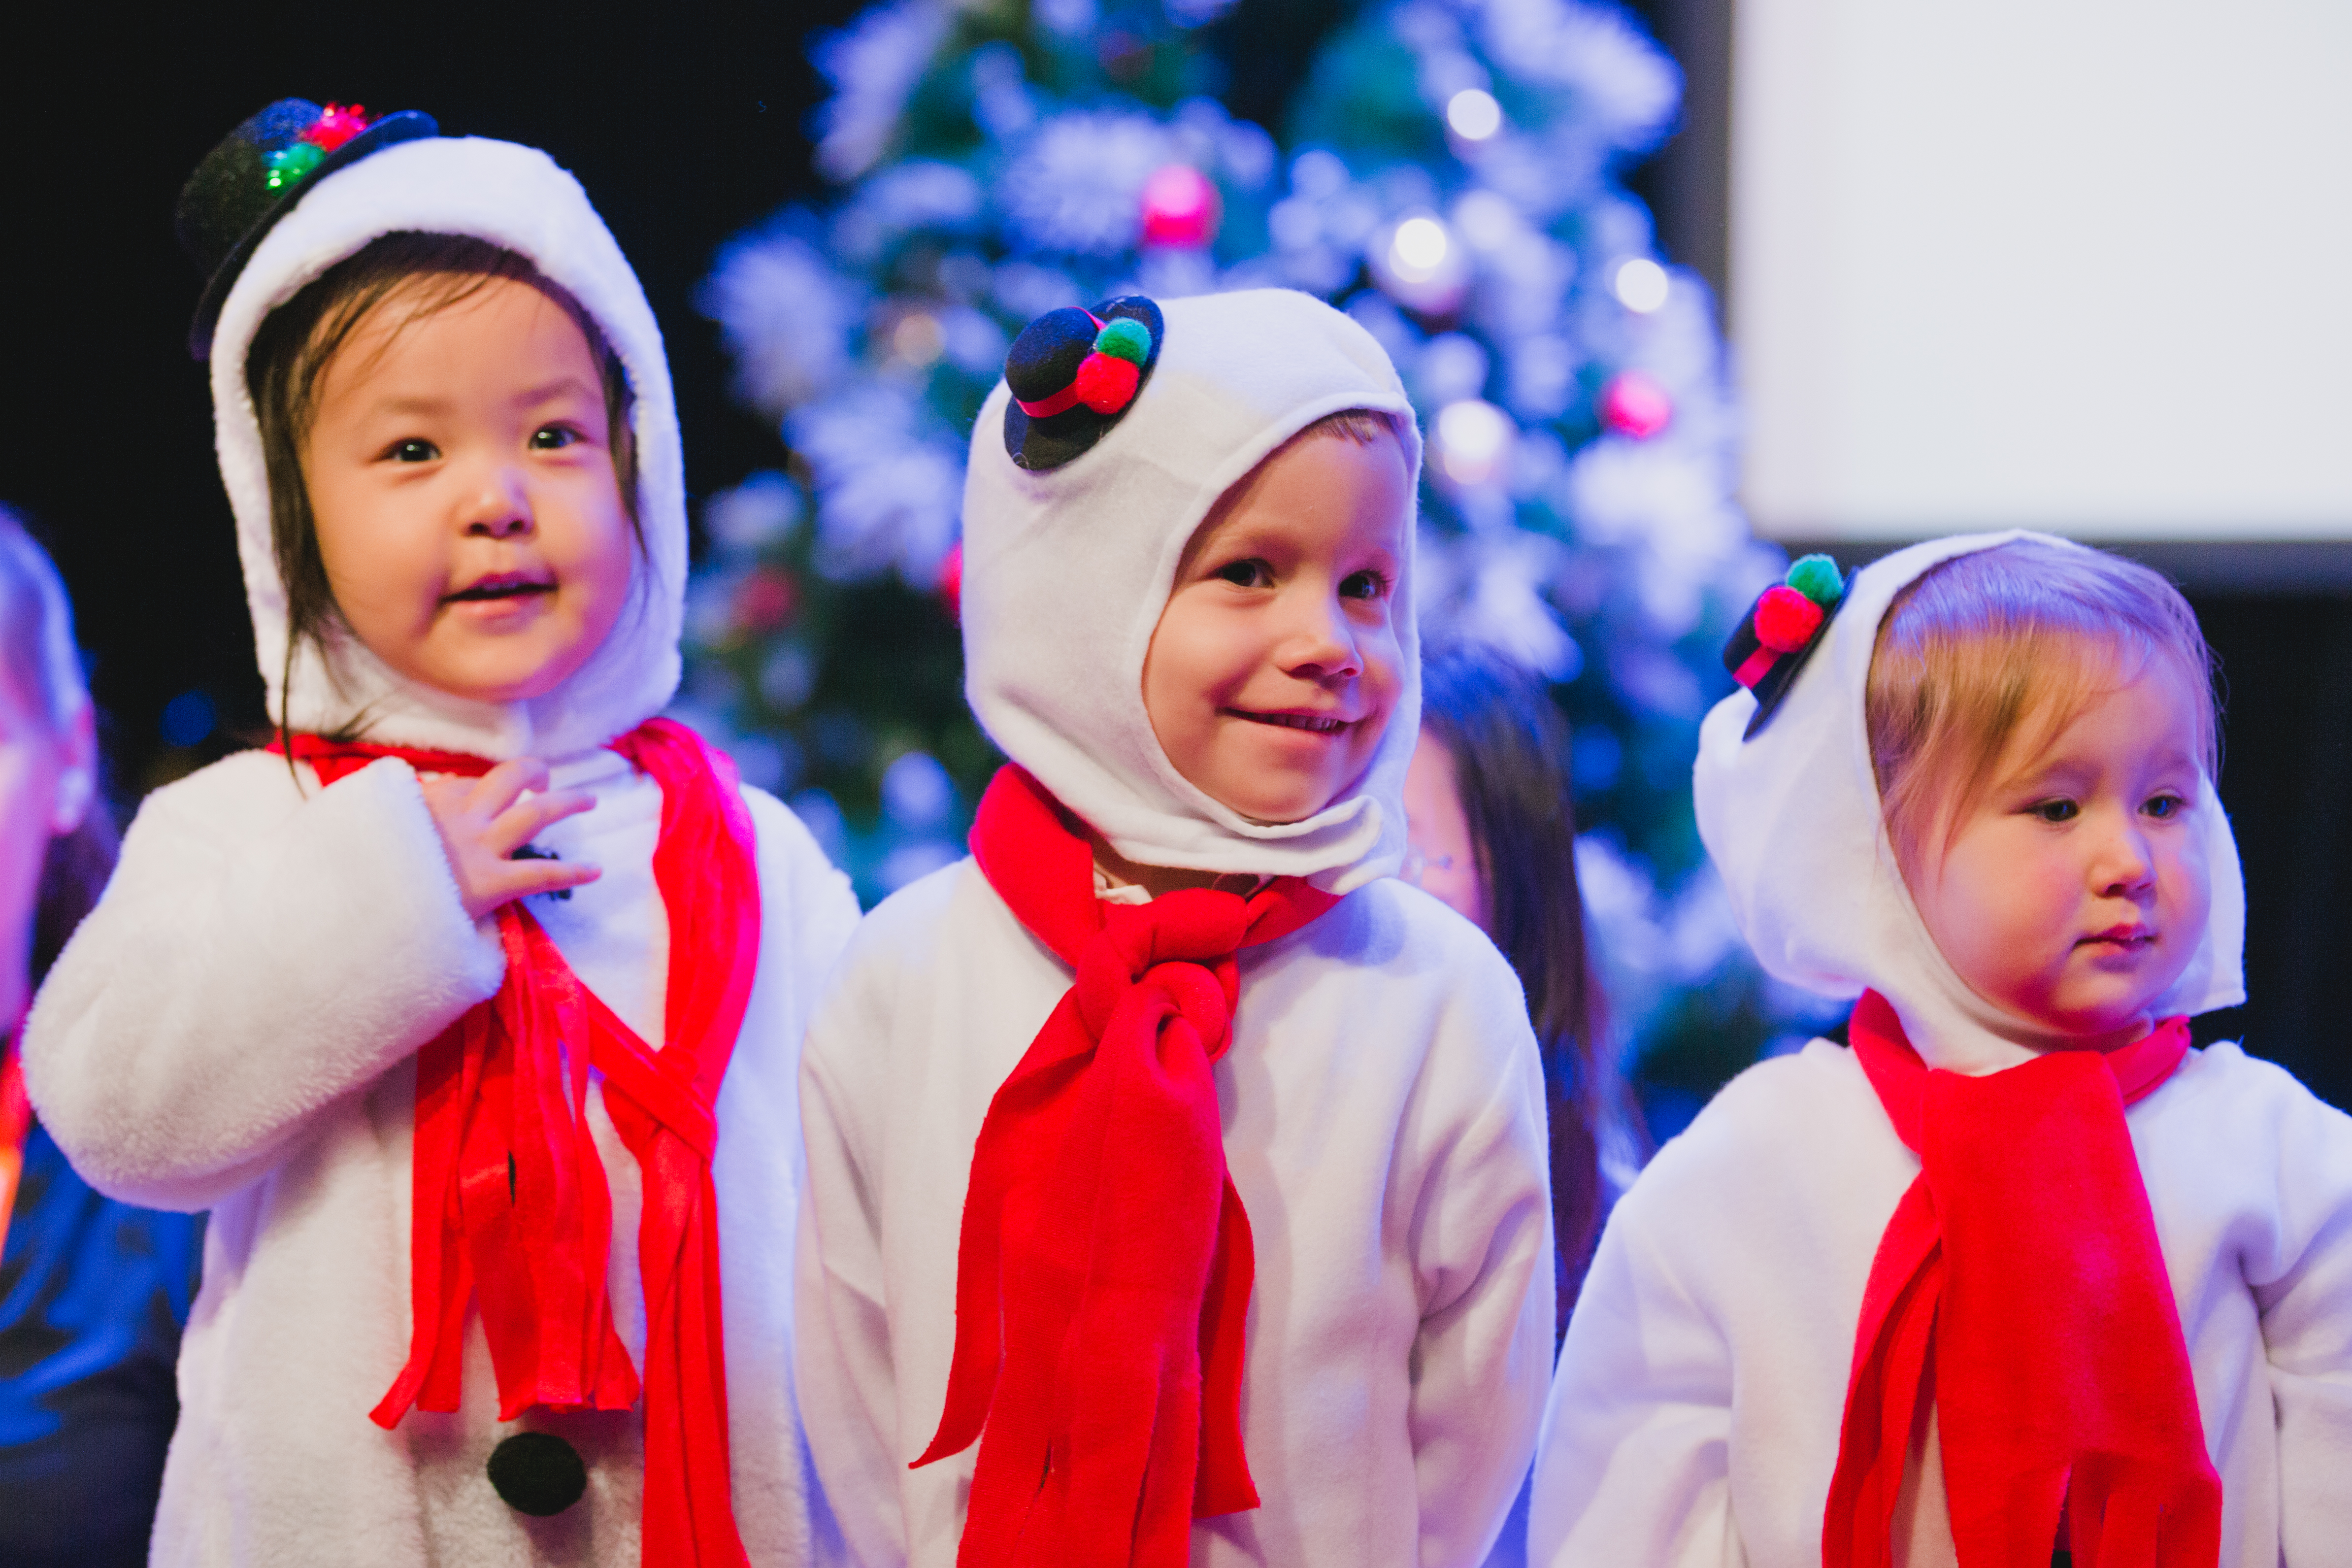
1249, 573
552, 437
2055, 810
2165, 808
413, 451
1365, 584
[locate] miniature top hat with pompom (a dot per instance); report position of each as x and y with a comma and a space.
1780, 631
257, 175
1074, 373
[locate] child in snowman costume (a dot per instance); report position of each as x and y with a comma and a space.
471, 1009
2016, 1277
1168, 1147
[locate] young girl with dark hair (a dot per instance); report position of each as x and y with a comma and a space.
1493, 833
92, 1292
473, 1016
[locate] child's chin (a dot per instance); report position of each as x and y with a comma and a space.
1274, 807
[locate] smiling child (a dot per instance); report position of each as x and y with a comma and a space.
2016, 1276
1170, 1148
473, 1013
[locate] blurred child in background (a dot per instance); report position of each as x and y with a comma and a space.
92, 1292
1493, 833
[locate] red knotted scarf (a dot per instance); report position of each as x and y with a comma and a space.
510, 1207
1103, 1279
2020, 1288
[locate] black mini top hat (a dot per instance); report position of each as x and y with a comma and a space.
257, 175
1780, 631
1074, 375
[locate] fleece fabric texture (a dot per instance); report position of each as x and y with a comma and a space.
1693, 1423
515, 197
1066, 573
1382, 1114
234, 1028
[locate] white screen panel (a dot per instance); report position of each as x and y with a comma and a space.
2075, 264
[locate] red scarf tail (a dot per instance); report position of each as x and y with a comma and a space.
1104, 1268
512, 1209
2021, 1287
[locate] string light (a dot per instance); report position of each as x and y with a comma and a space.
1473, 439
1418, 251
919, 339
1473, 115
1642, 285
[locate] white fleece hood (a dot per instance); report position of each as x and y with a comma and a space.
1793, 823
515, 198
1066, 571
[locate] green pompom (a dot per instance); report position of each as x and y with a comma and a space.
1816, 577
288, 165
1125, 339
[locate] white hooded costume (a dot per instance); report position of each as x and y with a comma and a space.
1696, 1415
234, 1028
1382, 1101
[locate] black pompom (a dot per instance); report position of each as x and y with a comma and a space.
1044, 360
538, 1473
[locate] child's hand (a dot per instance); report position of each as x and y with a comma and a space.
484, 821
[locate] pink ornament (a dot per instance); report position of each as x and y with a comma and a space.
951, 581
765, 601
1180, 208
1636, 404
1785, 619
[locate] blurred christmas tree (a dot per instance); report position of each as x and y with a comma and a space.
1450, 173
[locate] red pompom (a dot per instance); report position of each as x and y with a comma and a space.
765, 600
1105, 384
336, 125
1636, 404
1785, 619
1180, 208
950, 582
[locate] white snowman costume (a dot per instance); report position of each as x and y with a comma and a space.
235, 1028
1382, 1099
1696, 1415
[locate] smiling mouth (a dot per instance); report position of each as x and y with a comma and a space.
1313, 723
492, 589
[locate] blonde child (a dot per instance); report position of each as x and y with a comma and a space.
472, 1015
2019, 1277
1168, 1147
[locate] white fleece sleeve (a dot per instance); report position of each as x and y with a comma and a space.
842, 1357
1633, 1465
2304, 1294
1482, 1242
245, 969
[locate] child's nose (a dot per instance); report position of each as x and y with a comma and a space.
501, 508
1321, 642
2124, 864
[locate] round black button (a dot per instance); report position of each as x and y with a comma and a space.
538, 1473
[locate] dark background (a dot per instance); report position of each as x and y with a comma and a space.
687, 123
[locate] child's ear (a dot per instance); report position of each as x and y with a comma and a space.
77, 771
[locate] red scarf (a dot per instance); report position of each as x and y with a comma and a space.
1103, 1279
511, 1211
2020, 1288
15, 1121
